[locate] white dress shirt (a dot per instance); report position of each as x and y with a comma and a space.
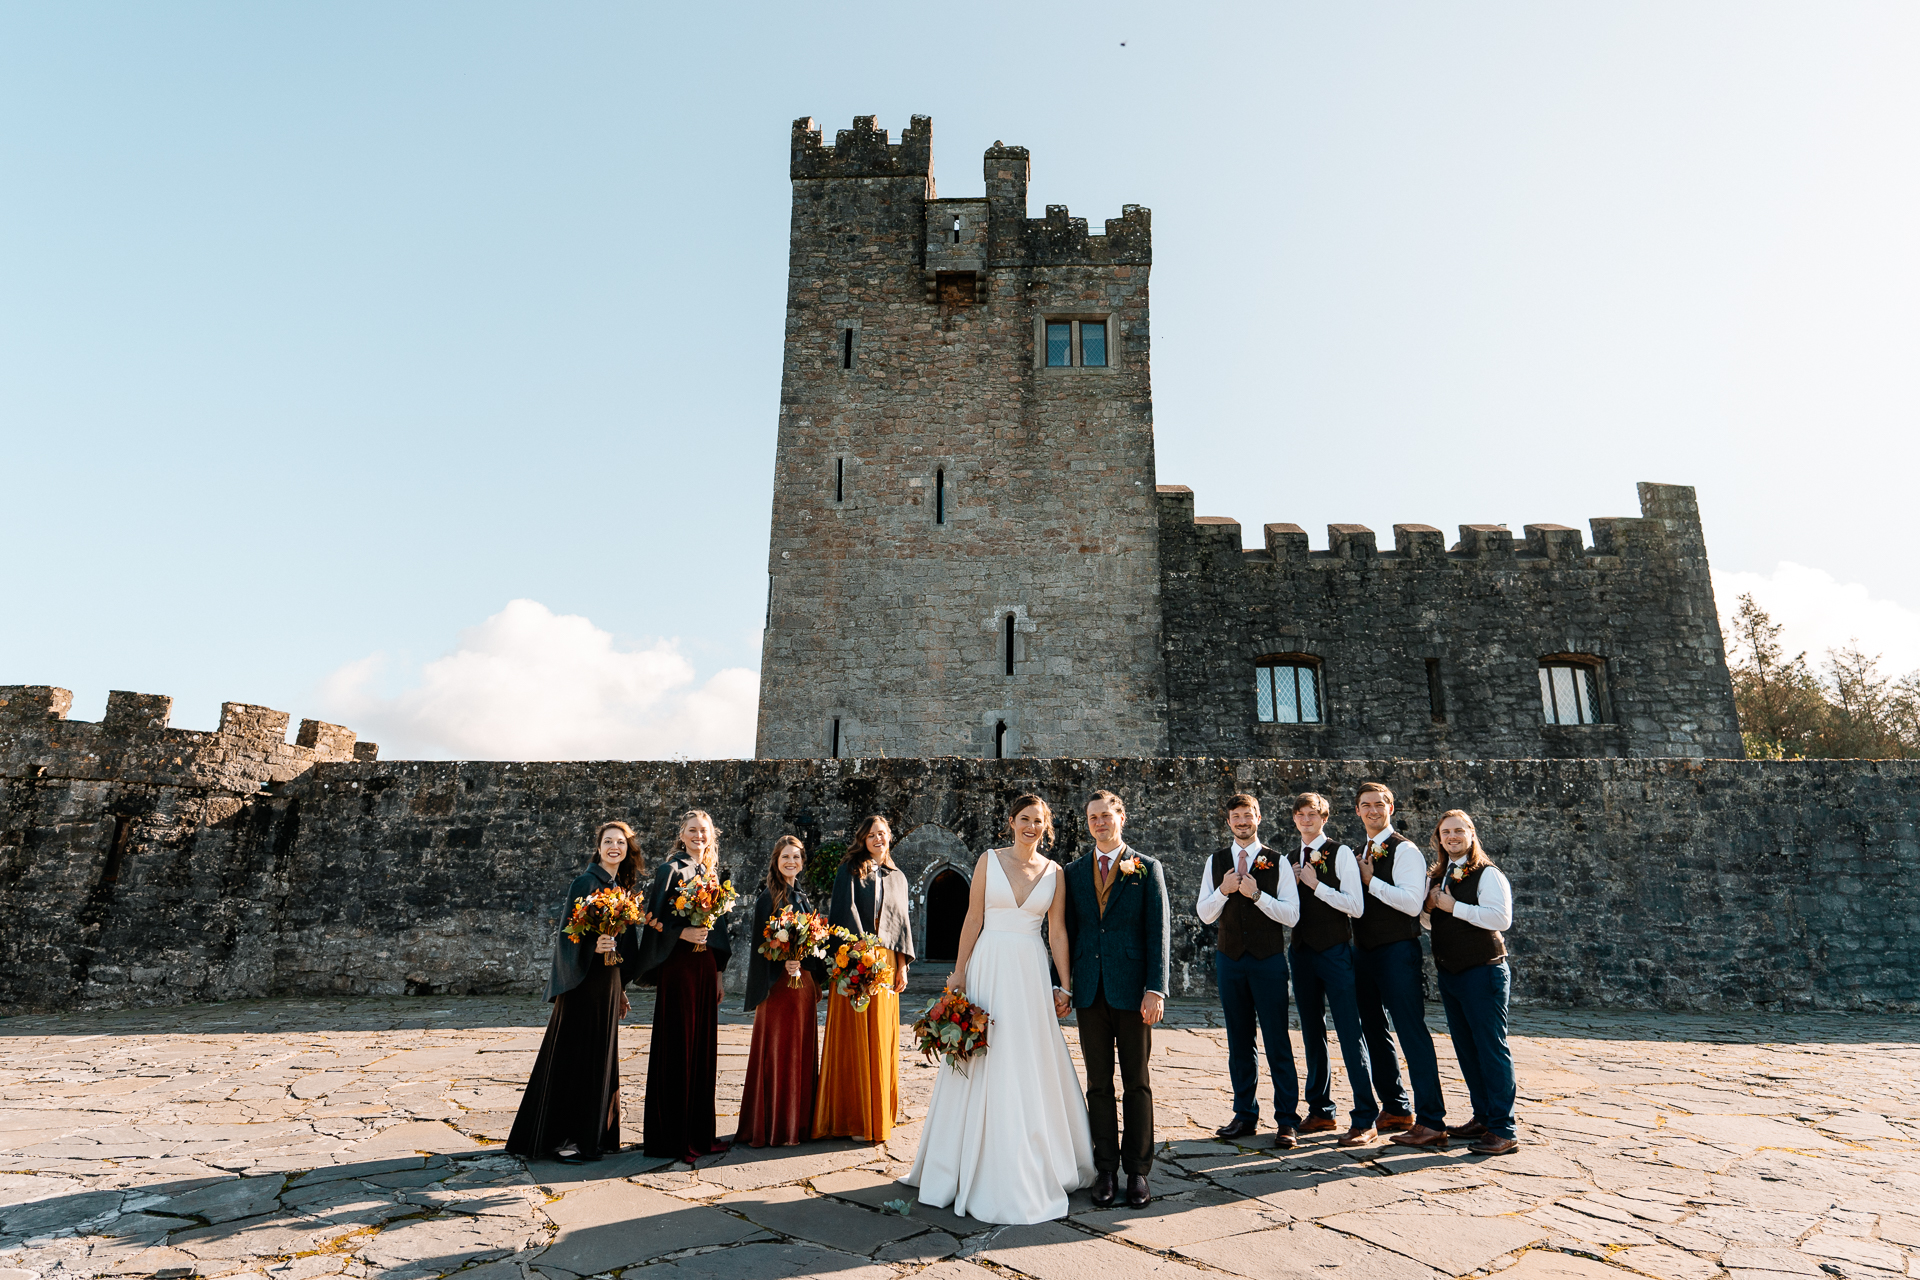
1282, 907
1349, 899
1495, 909
1406, 890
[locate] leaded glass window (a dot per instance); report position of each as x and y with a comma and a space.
1569, 693
1287, 692
1059, 345
1093, 343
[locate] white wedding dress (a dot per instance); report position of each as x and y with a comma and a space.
1006, 1140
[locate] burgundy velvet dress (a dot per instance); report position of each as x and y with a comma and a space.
683, 1061
783, 1066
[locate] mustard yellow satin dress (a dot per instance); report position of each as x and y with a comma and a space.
860, 1069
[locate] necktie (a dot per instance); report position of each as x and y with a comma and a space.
1105, 861
1239, 861
1306, 853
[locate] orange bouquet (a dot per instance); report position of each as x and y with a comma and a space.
702, 899
954, 1028
608, 911
858, 967
794, 935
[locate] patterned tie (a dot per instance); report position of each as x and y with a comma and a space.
1105, 861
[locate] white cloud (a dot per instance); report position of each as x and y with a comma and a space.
529, 684
1820, 613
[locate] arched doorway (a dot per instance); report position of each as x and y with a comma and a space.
946, 912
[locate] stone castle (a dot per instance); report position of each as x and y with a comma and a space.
971, 555
978, 589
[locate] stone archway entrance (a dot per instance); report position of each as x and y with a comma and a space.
946, 912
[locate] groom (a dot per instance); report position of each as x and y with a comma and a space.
1117, 935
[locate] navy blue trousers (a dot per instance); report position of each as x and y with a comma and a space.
1476, 1005
1255, 992
1386, 983
1323, 983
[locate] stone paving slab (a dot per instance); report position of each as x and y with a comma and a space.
296, 1140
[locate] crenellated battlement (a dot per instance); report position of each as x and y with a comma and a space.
133, 743
1668, 527
864, 151
1059, 239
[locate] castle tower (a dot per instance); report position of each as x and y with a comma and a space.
964, 557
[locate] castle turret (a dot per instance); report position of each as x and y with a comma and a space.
964, 556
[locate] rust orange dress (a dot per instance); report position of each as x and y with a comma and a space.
776, 1107
860, 1063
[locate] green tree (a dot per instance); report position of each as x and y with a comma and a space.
1778, 699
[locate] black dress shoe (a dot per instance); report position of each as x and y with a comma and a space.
576, 1157
1238, 1127
1138, 1197
1285, 1140
1103, 1190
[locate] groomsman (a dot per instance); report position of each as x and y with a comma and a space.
1388, 978
1331, 900
1118, 935
1243, 889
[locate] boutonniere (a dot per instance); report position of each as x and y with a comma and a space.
1319, 858
1263, 863
1457, 874
1130, 867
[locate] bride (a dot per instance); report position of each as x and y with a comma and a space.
1007, 1139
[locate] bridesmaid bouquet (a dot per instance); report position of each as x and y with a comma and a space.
953, 1027
859, 967
702, 900
609, 911
794, 935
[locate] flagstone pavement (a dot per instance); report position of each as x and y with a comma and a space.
296, 1139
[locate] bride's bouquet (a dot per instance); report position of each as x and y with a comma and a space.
609, 911
859, 967
794, 935
702, 899
954, 1028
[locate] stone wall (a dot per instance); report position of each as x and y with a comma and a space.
934, 480
1703, 884
1428, 653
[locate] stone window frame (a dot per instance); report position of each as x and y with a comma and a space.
939, 488
1595, 665
1293, 658
842, 349
1076, 319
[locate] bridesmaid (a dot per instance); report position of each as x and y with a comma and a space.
777, 1107
682, 1060
571, 1107
860, 1067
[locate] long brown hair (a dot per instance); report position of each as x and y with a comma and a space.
777, 883
1022, 803
630, 866
713, 850
861, 858
1476, 855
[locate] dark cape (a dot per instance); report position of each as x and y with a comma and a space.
573, 1094
762, 973
683, 1060
880, 904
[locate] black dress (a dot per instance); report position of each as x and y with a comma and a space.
682, 1063
573, 1095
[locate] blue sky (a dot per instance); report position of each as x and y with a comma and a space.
328, 332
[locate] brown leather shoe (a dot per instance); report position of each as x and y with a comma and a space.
1472, 1129
1357, 1137
1391, 1122
1285, 1140
1138, 1196
1421, 1136
1319, 1124
1491, 1145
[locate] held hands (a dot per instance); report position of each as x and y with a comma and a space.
1152, 1008
603, 943
1306, 875
698, 937
1061, 1003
